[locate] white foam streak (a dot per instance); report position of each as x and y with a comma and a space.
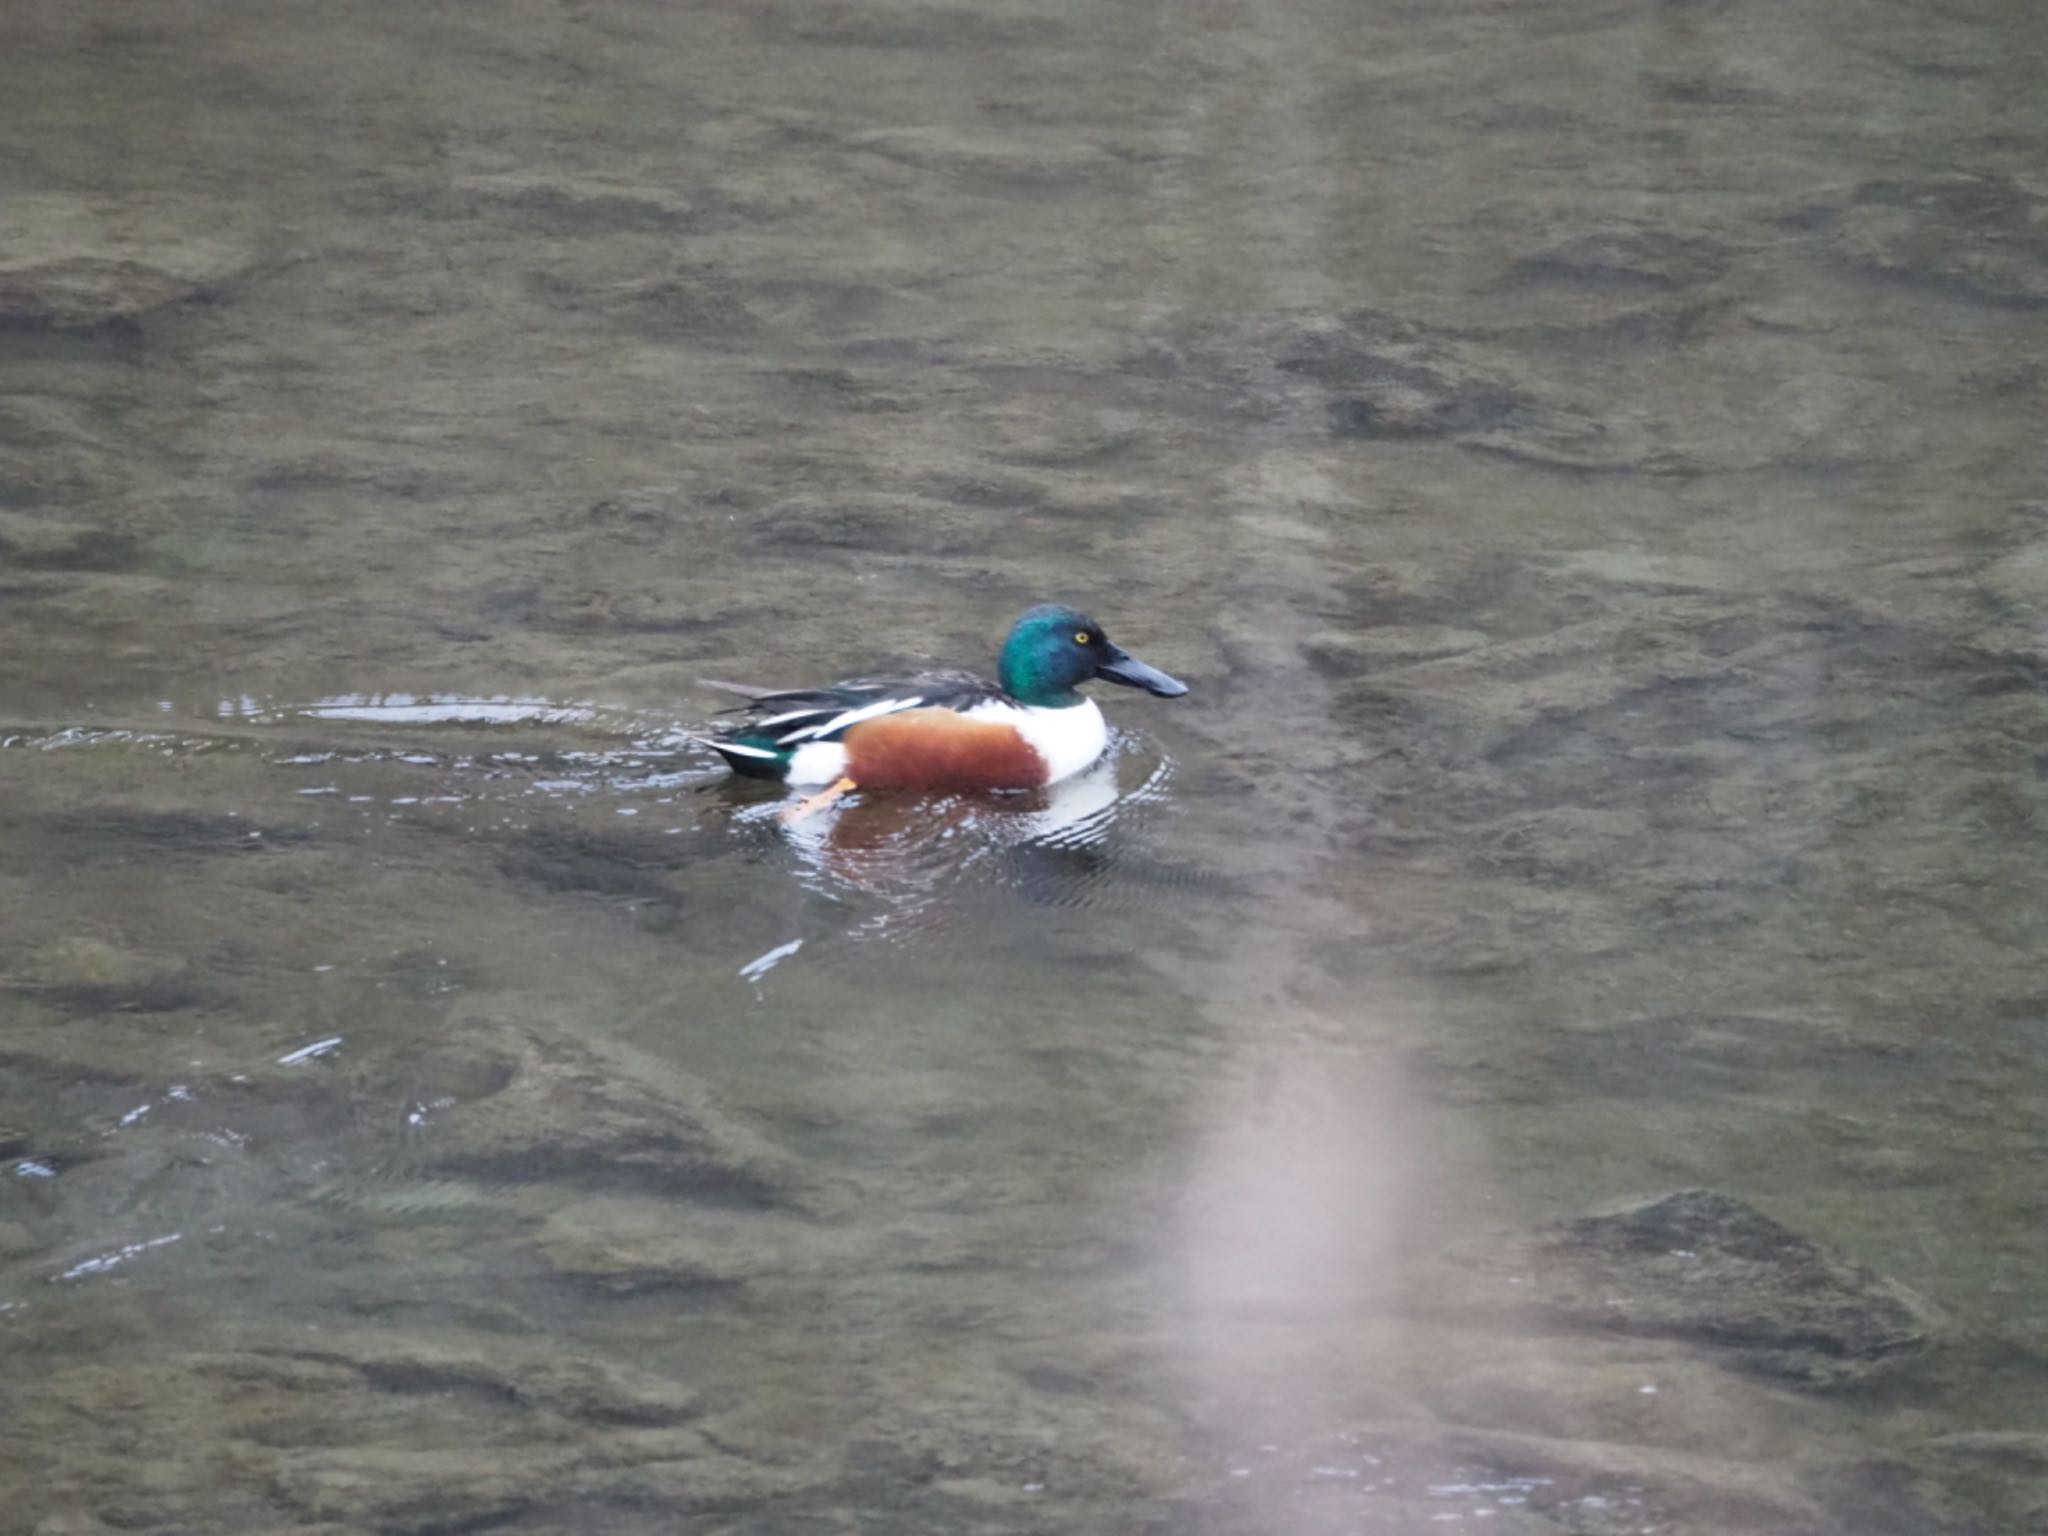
761, 965
101, 1263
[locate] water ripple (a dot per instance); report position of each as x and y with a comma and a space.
901, 862
890, 865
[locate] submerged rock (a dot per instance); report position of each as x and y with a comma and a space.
591, 206
531, 1377
1380, 376
79, 960
1979, 237
984, 157
89, 975
634, 1247
332, 1429
874, 524
405, 1490
1975, 1481
1390, 379
48, 544
1420, 1476
566, 1110
82, 292
1624, 257
70, 263
1701, 1266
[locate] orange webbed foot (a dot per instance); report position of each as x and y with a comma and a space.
810, 805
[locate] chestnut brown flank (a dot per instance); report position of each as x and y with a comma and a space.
940, 749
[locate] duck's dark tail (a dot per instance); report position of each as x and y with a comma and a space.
753, 753
752, 758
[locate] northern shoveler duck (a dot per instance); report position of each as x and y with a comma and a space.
945, 730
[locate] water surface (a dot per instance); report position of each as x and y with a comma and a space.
1587, 460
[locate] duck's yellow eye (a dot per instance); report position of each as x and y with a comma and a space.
1081, 638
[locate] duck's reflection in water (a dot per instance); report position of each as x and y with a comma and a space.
905, 855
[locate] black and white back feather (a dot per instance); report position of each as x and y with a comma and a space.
779, 721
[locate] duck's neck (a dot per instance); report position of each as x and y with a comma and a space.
1046, 698
1027, 678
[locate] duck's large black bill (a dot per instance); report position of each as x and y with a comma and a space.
1122, 667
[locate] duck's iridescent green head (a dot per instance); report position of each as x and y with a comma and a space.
1052, 650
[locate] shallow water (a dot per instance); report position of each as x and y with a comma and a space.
1586, 459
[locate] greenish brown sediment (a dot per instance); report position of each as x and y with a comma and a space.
1584, 460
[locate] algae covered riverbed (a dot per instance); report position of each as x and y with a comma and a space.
1546, 1037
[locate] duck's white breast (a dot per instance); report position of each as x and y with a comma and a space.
1068, 739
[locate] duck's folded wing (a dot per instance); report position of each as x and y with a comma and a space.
791, 717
